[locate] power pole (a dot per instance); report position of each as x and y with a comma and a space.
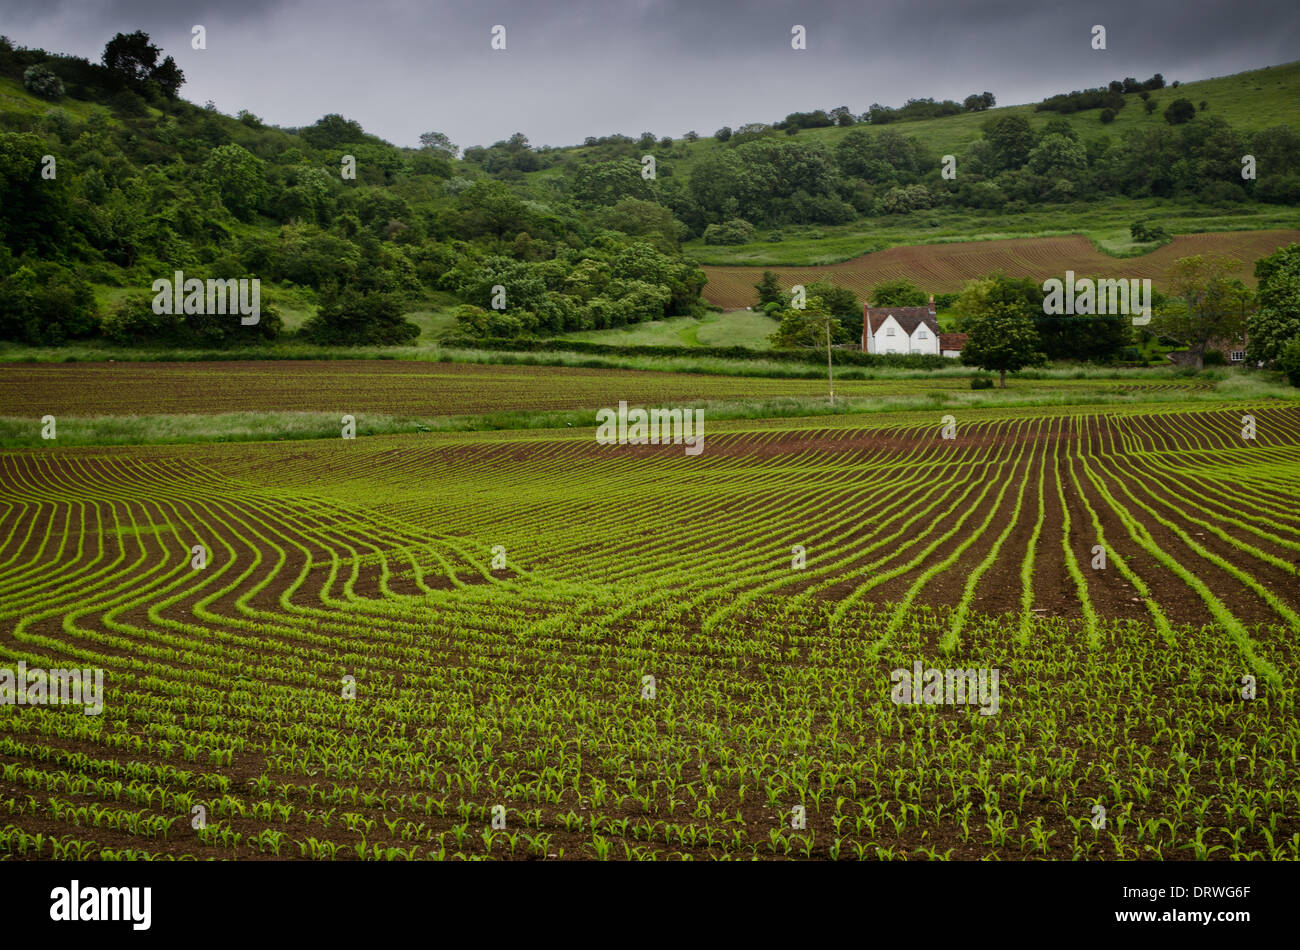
830, 371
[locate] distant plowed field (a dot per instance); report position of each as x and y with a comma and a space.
414, 388
945, 268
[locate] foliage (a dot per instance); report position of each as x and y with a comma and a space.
732, 231
897, 293
1288, 361
349, 317
1276, 322
1207, 302
1001, 338
44, 82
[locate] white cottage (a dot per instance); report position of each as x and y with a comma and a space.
900, 329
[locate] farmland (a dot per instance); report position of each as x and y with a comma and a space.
395, 640
945, 268
432, 389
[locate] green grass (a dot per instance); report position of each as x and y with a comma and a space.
736, 328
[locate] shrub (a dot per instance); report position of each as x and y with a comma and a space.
1180, 111
352, 318
1145, 230
1107, 116
40, 81
1289, 361
1213, 358
133, 322
981, 382
733, 231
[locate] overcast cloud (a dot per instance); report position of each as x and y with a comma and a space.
573, 69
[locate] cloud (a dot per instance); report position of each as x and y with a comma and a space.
401, 67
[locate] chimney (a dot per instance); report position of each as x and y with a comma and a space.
931, 304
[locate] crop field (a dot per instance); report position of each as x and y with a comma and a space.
945, 268
530, 646
426, 389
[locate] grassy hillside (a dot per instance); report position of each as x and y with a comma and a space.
1249, 101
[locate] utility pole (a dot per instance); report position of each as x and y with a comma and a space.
830, 371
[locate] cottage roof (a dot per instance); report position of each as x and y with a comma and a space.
909, 318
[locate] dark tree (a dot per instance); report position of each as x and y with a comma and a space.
1180, 111
131, 56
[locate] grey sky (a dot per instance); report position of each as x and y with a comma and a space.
591, 67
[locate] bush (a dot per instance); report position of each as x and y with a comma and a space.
41, 81
1279, 189
1107, 116
1289, 361
133, 323
1213, 358
1221, 193
981, 382
45, 304
733, 231
1180, 111
352, 318
1144, 231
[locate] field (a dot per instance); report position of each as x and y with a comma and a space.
526, 645
143, 402
945, 268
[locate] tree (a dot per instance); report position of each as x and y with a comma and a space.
1011, 137
731, 231
769, 290
1180, 111
1144, 231
169, 77
491, 207
439, 142
239, 179
841, 302
979, 102
723, 134
644, 219
131, 56
131, 59
348, 317
33, 210
607, 183
1002, 339
1058, 157
807, 327
1209, 303
333, 130
1277, 321
40, 80
1150, 105
897, 293
1288, 361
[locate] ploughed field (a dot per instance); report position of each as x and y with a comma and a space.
651, 673
945, 268
426, 389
